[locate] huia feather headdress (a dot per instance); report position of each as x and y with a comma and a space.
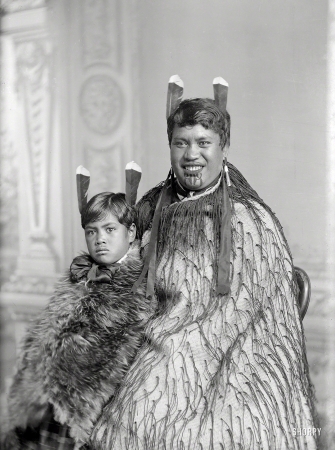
133, 177
174, 94
176, 89
220, 87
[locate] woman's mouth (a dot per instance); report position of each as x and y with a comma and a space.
192, 170
192, 176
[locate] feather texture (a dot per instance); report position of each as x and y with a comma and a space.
217, 371
174, 95
133, 177
83, 183
220, 87
77, 351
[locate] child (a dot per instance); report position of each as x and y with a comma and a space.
77, 351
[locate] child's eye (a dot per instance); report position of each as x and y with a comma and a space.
89, 232
109, 230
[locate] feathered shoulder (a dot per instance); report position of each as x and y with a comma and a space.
73, 296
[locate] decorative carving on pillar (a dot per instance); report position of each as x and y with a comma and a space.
8, 195
101, 104
106, 101
36, 267
100, 32
33, 62
105, 168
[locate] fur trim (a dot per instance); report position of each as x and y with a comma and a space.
78, 350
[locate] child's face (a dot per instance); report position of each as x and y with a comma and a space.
108, 240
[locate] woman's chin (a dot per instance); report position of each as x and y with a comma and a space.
192, 183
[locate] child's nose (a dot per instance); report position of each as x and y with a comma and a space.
101, 238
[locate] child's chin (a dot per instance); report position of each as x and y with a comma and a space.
105, 261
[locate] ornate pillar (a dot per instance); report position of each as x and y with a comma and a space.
27, 120
30, 250
98, 66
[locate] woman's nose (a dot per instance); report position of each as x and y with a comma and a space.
192, 152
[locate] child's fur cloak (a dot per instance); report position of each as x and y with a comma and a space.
77, 351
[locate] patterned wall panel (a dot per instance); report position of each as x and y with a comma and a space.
102, 104
101, 33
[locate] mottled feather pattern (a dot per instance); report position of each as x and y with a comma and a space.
174, 94
220, 87
133, 178
221, 372
83, 183
78, 350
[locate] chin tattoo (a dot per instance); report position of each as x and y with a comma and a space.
193, 179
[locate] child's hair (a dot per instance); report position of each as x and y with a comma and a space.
107, 202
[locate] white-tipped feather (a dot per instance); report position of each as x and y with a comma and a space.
220, 80
133, 177
82, 171
133, 165
176, 79
83, 183
174, 94
220, 87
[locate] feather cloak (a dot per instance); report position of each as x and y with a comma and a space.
76, 353
226, 371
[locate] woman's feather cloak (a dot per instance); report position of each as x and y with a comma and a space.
225, 371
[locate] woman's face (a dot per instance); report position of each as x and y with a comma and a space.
196, 156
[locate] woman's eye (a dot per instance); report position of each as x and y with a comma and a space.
179, 144
109, 230
203, 143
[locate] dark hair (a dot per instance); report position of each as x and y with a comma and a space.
202, 111
108, 202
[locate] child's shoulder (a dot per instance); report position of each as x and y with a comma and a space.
133, 255
130, 266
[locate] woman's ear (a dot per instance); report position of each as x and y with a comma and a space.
225, 151
132, 233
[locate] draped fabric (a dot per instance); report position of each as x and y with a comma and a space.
217, 371
83, 267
